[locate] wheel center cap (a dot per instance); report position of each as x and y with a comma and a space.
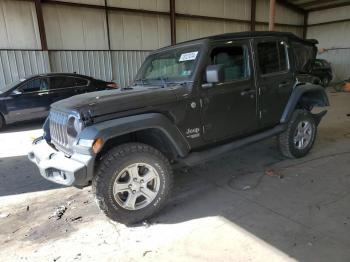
135, 186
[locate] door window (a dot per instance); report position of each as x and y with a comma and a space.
272, 57
81, 82
234, 61
35, 85
60, 82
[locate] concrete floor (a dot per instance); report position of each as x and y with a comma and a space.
225, 210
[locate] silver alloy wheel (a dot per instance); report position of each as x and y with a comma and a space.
303, 135
136, 186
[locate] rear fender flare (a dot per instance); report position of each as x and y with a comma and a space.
314, 95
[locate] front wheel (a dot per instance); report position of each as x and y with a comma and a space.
132, 183
297, 140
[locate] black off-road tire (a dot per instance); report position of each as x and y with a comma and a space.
113, 163
286, 139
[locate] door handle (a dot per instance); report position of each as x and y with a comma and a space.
248, 92
43, 94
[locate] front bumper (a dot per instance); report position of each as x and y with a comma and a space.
56, 167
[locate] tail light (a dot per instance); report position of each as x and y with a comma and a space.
112, 85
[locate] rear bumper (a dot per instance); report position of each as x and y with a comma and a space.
56, 167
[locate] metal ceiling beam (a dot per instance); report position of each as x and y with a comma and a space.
111, 8
329, 6
318, 2
291, 6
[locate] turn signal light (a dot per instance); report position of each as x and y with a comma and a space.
97, 146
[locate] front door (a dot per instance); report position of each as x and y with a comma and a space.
29, 101
229, 108
274, 79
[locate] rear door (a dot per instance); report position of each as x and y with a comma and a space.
229, 108
275, 79
62, 87
82, 85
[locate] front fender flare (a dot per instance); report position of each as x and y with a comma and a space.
121, 126
316, 94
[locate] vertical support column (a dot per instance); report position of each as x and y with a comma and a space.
172, 22
252, 15
272, 15
107, 24
40, 18
306, 17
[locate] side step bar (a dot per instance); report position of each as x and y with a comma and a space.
203, 156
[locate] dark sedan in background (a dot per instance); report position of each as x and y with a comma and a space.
30, 98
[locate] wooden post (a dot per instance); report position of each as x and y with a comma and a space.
272, 15
172, 22
41, 25
252, 15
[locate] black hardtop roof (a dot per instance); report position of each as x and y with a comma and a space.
243, 35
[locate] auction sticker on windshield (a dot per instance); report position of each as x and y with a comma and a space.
188, 56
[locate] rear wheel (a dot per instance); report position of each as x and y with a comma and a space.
299, 136
132, 183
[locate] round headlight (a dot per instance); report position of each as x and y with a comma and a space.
73, 126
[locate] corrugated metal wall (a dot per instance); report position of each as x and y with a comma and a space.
75, 28
120, 66
18, 25
18, 64
92, 63
72, 32
125, 65
333, 36
191, 28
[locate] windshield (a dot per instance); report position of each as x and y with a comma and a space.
175, 65
11, 85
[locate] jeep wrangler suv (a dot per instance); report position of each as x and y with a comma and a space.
188, 103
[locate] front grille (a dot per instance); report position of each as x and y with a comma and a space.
58, 131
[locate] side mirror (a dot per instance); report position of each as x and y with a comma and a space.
214, 74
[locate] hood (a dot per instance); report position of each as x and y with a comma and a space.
112, 101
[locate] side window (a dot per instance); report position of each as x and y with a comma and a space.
272, 57
35, 85
59, 82
81, 82
303, 56
234, 59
